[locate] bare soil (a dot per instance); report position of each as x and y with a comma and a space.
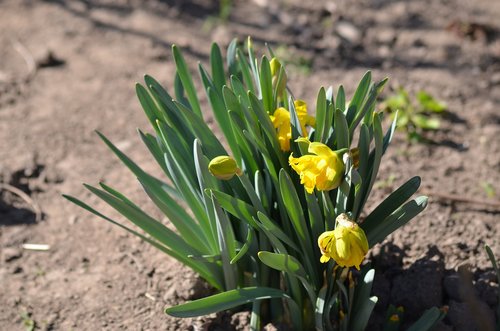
67, 68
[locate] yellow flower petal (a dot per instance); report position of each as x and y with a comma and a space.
281, 121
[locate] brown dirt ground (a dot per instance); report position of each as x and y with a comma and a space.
96, 277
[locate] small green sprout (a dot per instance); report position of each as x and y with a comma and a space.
489, 190
28, 322
415, 115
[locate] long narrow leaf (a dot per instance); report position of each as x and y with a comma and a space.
208, 272
232, 299
186, 79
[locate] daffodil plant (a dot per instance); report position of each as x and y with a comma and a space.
275, 223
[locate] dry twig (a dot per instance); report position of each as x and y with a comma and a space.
457, 198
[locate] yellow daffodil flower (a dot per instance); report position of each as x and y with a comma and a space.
322, 171
304, 118
347, 244
281, 121
224, 167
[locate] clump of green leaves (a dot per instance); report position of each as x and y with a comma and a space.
249, 227
415, 115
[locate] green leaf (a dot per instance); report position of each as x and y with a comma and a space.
425, 122
222, 117
186, 79
217, 66
354, 110
208, 272
363, 304
290, 265
227, 247
283, 262
340, 104
428, 320
321, 115
153, 145
245, 70
232, 299
272, 227
316, 220
236, 207
391, 203
211, 144
245, 247
361, 316
293, 208
148, 105
266, 85
231, 59
341, 130
397, 219
369, 170
429, 103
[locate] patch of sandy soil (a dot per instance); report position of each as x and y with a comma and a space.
67, 68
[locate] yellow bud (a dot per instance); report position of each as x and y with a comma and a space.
224, 167
275, 66
394, 318
347, 244
279, 83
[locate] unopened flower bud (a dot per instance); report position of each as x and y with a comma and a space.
224, 167
279, 83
